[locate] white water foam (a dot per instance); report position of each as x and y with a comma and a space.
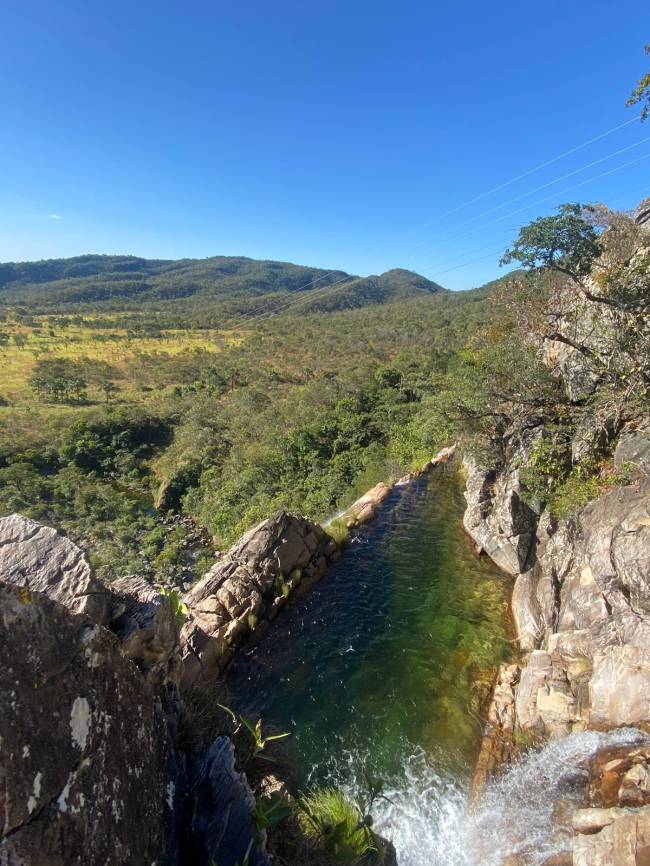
427, 818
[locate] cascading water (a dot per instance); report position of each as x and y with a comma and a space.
382, 668
429, 823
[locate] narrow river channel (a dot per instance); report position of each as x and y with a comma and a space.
384, 664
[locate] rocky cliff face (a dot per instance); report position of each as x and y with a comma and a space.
580, 603
92, 768
581, 596
581, 607
88, 769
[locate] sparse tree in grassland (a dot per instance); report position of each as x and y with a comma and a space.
58, 380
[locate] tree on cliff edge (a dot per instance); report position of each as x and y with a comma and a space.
641, 92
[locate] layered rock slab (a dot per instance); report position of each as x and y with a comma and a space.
246, 587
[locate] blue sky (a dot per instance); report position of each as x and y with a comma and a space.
337, 133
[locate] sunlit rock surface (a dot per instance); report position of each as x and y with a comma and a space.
246, 587
37, 557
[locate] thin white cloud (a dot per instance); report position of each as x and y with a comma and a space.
55, 216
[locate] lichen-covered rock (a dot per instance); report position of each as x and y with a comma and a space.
242, 589
633, 450
86, 766
40, 559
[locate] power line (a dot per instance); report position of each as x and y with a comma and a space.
552, 196
262, 307
551, 182
466, 264
318, 293
261, 312
529, 172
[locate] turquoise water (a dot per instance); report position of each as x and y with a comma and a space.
384, 664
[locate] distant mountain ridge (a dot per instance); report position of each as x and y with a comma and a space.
118, 282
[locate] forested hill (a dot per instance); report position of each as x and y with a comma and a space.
235, 284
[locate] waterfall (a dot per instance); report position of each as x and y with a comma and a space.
427, 818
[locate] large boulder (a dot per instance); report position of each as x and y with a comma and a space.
246, 587
87, 766
497, 517
364, 509
37, 557
623, 839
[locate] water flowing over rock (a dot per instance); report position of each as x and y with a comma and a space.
533, 813
246, 587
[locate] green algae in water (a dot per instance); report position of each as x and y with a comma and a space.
396, 645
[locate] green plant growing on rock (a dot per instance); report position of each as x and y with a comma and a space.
178, 606
338, 531
341, 826
334, 823
260, 740
282, 587
269, 811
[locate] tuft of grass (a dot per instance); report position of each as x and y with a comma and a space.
334, 823
338, 531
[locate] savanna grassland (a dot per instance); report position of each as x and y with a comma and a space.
150, 441
155, 410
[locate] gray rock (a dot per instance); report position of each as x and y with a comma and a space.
642, 212
86, 767
633, 449
593, 436
221, 812
146, 624
37, 557
497, 518
242, 589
